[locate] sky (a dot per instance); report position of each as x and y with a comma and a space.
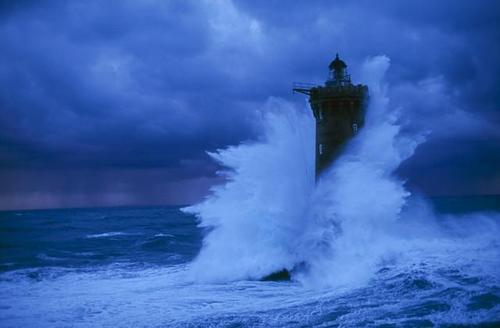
111, 103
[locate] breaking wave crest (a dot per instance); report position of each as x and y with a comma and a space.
357, 219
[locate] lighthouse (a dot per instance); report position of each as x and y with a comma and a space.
339, 109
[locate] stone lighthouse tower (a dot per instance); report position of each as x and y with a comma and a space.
338, 107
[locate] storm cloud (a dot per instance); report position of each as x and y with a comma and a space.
116, 102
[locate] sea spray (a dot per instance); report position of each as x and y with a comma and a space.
257, 217
357, 219
269, 216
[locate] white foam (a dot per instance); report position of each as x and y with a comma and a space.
110, 234
164, 235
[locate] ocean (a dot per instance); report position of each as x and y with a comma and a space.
129, 267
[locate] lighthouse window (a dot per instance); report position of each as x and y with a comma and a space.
321, 149
355, 128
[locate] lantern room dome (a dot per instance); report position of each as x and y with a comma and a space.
337, 64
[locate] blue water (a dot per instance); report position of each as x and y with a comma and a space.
129, 267
83, 238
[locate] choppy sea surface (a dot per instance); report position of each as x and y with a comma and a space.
128, 267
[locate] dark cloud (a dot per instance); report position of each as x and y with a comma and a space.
92, 83
464, 166
128, 85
